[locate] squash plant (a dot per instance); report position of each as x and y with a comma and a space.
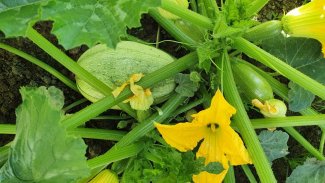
218, 37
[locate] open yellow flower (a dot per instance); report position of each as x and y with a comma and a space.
142, 99
307, 21
220, 142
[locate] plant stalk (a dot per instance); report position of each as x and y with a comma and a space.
255, 7
187, 14
245, 127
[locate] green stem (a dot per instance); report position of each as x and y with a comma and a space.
278, 65
255, 7
173, 30
74, 104
295, 134
101, 134
111, 117
289, 121
321, 143
211, 8
92, 133
256, 123
230, 176
139, 131
187, 14
188, 106
115, 154
248, 173
245, 127
41, 64
148, 125
71, 65
100, 106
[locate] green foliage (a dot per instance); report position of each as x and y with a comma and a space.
206, 52
76, 22
274, 144
312, 171
42, 151
304, 55
186, 87
162, 164
299, 98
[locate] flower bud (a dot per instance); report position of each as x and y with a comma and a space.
271, 108
307, 21
105, 176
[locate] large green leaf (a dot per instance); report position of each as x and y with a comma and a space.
274, 144
312, 171
304, 55
42, 151
17, 15
76, 22
6, 5
89, 22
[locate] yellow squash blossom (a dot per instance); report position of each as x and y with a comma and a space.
105, 176
220, 142
142, 99
307, 21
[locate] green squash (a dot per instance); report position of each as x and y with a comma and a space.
115, 66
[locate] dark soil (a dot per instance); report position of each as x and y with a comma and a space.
16, 72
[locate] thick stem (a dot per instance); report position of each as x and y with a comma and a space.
249, 173
295, 134
187, 14
289, 121
230, 176
245, 127
255, 7
173, 30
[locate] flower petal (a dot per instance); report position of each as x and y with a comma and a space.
205, 177
182, 136
233, 147
219, 111
212, 151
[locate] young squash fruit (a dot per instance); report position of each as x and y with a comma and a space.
115, 66
253, 85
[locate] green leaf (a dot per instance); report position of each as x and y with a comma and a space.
304, 55
6, 5
186, 87
312, 171
42, 151
90, 22
206, 52
274, 144
162, 164
299, 98
213, 167
17, 15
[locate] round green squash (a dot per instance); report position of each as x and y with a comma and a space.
115, 66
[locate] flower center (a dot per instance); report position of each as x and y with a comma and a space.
213, 126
